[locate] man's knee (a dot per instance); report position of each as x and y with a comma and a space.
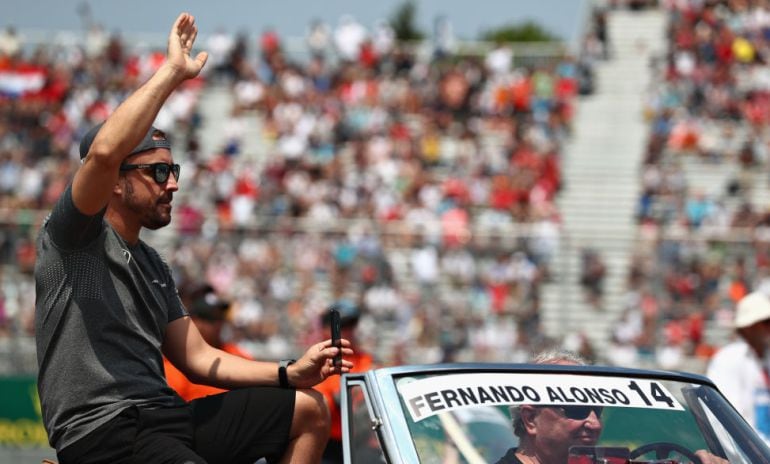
310, 408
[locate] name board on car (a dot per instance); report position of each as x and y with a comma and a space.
430, 396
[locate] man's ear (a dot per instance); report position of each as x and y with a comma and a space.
118, 188
528, 414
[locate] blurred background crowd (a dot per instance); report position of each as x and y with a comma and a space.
419, 180
703, 238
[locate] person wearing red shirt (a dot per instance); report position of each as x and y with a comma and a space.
209, 313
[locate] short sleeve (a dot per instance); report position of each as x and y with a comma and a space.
70, 229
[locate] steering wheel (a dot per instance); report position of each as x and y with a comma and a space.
663, 449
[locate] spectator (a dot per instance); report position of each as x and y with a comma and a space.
592, 274
348, 38
318, 38
443, 38
739, 369
209, 313
220, 45
10, 43
601, 31
499, 60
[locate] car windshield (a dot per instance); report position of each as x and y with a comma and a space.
469, 417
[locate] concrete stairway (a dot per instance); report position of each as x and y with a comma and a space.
600, 168
216, 106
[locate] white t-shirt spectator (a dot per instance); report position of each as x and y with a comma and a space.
219, 45
10, 42
499, 60
384, 38
348, 37
425, 264
318, 37
738, 373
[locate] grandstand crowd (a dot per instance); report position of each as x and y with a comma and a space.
420, 186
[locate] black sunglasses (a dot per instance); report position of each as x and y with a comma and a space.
578, 412
160, 171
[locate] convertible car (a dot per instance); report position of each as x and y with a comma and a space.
462, 413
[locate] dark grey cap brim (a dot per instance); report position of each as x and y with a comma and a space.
149, 141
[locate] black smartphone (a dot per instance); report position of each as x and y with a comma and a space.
336, 329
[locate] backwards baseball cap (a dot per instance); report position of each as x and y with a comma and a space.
155, 138
207, 305
752, 308
349, 313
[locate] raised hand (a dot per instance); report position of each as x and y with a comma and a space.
180, 44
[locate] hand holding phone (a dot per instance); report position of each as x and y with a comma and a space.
336, 329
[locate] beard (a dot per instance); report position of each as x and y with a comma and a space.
153, 214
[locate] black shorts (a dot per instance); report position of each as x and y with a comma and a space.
239, 426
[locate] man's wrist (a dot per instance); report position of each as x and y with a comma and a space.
173, 74
283, 372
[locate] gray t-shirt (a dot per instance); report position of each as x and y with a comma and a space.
101, 311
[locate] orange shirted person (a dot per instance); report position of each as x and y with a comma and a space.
209, 314
362, 362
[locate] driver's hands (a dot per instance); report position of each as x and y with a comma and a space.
317, 364
708, 458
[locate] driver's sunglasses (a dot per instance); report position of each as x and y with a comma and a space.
578, 412
160, 171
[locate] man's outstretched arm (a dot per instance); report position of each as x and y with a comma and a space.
128, 124
201, 363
